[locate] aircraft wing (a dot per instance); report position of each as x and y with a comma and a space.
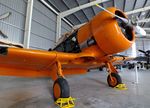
116, 60
125, 58
36, 63
141, 58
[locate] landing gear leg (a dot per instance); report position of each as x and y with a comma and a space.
61, 87
61, 90
113, 78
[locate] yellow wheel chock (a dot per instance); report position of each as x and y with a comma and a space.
121, 87
65, 102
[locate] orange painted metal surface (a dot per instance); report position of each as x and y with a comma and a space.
72, 71
84, 32
35, 63
107, 33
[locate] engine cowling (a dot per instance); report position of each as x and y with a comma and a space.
107, 32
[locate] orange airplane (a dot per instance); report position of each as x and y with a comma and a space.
90, 46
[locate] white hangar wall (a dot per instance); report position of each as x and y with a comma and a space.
43, 28
13, 26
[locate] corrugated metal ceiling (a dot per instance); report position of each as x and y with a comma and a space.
85, 15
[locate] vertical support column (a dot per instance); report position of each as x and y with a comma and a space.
58, 30
28, 22
134, 50
136, 75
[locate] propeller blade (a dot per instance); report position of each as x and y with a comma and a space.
124, 20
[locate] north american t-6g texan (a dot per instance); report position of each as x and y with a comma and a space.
90, 46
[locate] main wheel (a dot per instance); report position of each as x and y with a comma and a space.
114, 79
61, 89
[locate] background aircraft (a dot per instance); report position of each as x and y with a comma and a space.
140, 61
145, 59
147, 55
90, 46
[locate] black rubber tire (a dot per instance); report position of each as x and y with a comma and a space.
64, 87
117, 77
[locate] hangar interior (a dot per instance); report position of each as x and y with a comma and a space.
38, 24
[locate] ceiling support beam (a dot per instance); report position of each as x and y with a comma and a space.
78, 26
51, 8
147, 35
69, 8
138, 10
58, 28
73, 10
59, 19
148, 29
57, 13
28, 22
144, 20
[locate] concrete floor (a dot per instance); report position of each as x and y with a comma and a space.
91, 91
